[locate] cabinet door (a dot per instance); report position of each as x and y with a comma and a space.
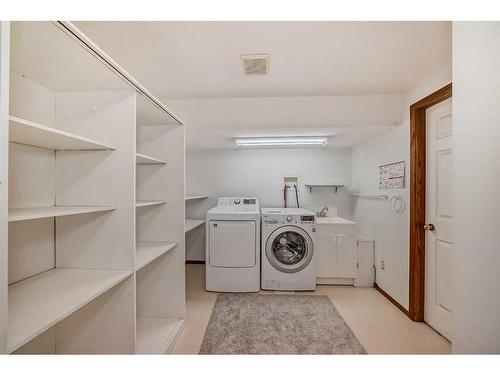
347, 256
326, 255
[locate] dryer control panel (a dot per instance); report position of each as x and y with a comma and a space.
237, 201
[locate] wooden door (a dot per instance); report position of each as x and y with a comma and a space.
439, 218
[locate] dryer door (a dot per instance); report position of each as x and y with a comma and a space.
289, 249
232, 243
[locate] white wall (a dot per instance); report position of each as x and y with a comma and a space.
476, 119
260, 173
374, 217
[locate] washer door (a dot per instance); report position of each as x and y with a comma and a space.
289, 249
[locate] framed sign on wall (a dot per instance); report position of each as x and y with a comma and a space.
392, 175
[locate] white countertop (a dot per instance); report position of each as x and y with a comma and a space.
333, 220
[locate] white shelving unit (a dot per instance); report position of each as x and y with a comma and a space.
193, 223
148, 203
19, 214
335, 186
95, 176
37, 135
194, 197
53, 295
160, 248
144, 159
157, 335
373, 196
194, 228
146, 252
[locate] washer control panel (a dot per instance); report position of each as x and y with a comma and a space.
288, 219
307, 219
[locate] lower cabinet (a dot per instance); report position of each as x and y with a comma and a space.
336, 258
347, 256
326, 255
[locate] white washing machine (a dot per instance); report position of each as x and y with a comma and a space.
288, 259
233, 246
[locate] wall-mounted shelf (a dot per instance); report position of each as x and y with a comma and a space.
194, 197
19, 214
192, 223
148, 251
334, 186
374, 196
157, 335
144, 159
148, 203
33, 134
41, 301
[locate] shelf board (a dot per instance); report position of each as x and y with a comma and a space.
335, 186
37, 303
148, 203
157, 335
192, 223
144, 159
375, 196
146, 252
193, 197
33, 134
19, 214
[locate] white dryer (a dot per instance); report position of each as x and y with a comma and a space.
288, 257
233, 246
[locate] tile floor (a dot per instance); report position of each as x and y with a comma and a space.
381, 327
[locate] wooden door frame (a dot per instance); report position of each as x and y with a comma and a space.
417, 199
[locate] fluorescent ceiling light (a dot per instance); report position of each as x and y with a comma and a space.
280, 142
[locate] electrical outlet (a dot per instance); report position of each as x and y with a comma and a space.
382, 265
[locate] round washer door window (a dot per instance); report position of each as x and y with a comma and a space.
289, 249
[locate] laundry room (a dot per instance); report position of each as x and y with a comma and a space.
226, 188
264, 173
255, 187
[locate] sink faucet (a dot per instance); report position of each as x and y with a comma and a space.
322, 213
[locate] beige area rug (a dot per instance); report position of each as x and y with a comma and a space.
277, 324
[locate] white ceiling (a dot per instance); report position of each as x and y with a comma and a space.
186, 61
202, 59
212, 123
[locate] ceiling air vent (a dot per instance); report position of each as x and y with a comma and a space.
255, 64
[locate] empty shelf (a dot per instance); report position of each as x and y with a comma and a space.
146, 252
148, 203
191, 224
381, 196
18, 214
333, 185
143, 159
192, 197
157, 335
37, 303
33, 134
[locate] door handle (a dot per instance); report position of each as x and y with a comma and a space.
429, 227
